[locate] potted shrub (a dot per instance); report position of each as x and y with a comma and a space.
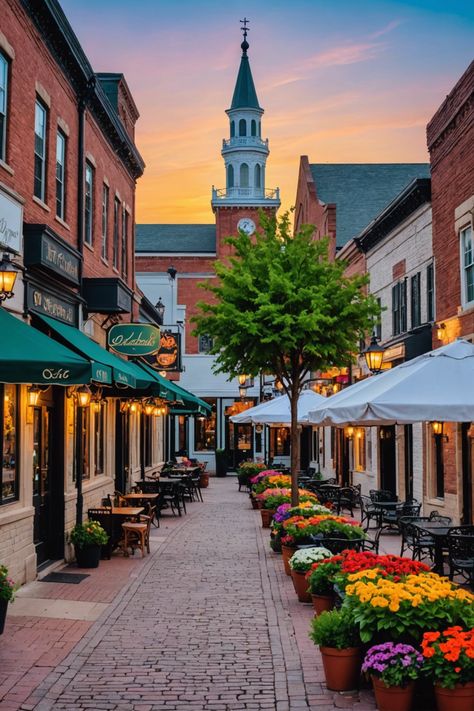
7, 589
88, 538
221, 462
393, 669
449, 661
320, 579
337, 635
300, 562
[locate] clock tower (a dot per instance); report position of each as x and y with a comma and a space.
245, 155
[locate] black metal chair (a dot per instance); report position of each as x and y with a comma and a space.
381, 495
460, 540
368, 512
390, 517
409, 534
436, 516
337, 545
347, 498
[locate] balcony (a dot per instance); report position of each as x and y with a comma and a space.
237, 142
246, 196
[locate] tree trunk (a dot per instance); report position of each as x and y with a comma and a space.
294, 443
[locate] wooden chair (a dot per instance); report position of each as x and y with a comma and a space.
136, 534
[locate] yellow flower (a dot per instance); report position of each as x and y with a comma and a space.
379, 601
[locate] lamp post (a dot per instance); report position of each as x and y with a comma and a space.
373, 355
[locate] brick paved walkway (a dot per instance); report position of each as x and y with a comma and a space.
211, 622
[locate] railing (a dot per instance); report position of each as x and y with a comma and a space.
253, 193
237, 141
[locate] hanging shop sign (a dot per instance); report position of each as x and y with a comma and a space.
134, 339
45, 249
11, 221
47, 303
168, 357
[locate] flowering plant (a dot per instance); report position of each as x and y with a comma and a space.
390, 566
262, 474
298, 528
274, 481
449, 656
321, 576
276, 498
7, 586
89, 533
247, 470
395, 664
423, 601
303, 559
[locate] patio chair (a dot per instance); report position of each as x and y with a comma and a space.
436, 516
460, 540
381, 495
347, 499
136, 534
389, 518
368, 512
409, 534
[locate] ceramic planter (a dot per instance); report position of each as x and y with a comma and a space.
341, 667
323, 603
267, 515
88, 556
393, 698
461, 698
301, 586
286, 553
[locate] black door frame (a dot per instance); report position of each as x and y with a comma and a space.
388, 458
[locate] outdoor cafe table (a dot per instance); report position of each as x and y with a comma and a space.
140, 497
438, 532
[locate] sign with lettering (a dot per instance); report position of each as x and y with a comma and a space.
45, 303
47, 250
168, 357
11, 223
134, 339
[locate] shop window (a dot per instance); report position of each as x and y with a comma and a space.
242, 127
182, 433
438, 461
467, 261
124, 242
3, 106
430, 311
205, 343
89, 205
115, 245
86, 438
415, 300
399, 308
105, 222
280, 442
205, 428
61, 175
9, 475
41, 116
244, 175
360, 456
99, 440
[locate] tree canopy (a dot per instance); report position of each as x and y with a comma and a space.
281, 307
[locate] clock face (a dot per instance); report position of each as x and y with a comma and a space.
246, 225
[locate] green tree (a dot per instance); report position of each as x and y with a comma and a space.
281, 307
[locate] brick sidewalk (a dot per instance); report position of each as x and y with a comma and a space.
208, 621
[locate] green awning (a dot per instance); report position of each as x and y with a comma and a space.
29, 356
122, 372
191, 404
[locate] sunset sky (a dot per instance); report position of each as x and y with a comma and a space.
340, 81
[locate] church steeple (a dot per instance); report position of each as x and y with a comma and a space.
245, 95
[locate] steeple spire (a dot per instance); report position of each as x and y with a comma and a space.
245, 95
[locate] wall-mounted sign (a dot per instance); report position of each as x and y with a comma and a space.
45, 249
134, 339
44, 302
11, 223
168, 356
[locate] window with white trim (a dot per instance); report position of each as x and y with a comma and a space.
105, 221
3, 106
39, 189
61, 175
89, 205
467, 265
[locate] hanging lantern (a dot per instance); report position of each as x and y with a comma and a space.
437, 428
34, 393
83, 396
149, 407
8, 274
374, 355
242, 378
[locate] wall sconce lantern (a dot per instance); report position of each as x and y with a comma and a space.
83, 396
34, 393
441, 331
373, 355
438, 430
134, 406
160, 309
149, 407
8, 275
349, 432
124, 406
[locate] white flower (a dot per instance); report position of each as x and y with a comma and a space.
304, 558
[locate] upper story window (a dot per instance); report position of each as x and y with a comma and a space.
430, 310
399, 307
467, 262
378, 325
415, 300
40, 151
61, 175
105, 221
3, 106
242, 127
230, 176
205, 343
232, 129
115, 245
253, 128
89, 205
124, 242
244, 175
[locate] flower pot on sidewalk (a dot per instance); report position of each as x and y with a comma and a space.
461, 698
321, 603
267, 515
204, 480
393, 698
88, 556
341, 667
301, 586
286, 553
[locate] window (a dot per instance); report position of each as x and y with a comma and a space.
99, 440
439, 465
378, 325
89, 205
467, 260
279, 442
3, 106
360, 450
258, 176
9, 475
115, 246
205, 428
415, 300
244, 175
259, 128
232, 129
40, 151
85, 418
124, 242
147, 424
430, 292
60, 175
242, 127
105, 221
399, 307
205, 343
253, 128
230, 176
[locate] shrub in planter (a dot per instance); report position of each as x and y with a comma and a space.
338, 638
449, 662
88, 538
247, 470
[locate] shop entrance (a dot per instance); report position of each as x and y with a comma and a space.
388, 479
238, 443
122, 449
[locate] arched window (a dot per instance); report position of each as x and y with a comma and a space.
232, 129
258, 176
260, 128
242, 127
230, 176
253, 128
244, 175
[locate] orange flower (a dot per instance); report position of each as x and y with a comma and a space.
457, 669
428, 652
430, 637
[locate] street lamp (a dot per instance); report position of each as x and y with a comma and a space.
242, 392
242, 378
160, 307
8, 274
374, 355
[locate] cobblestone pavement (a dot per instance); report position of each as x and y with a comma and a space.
210, 622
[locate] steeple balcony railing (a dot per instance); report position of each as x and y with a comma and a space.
249, 193
244, 142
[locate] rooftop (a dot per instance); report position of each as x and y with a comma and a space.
192, 239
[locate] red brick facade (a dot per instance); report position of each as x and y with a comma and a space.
309, 210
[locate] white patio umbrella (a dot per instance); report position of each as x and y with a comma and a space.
436, 386
277, 411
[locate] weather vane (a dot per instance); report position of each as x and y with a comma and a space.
245, 29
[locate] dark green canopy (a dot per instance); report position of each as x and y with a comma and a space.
186, 402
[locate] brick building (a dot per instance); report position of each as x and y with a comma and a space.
450, 138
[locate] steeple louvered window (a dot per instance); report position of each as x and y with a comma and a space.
230, 176
242, 127
253, 128
244, 175
232, 129
258, 176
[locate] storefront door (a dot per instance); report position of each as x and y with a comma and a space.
388, 478
122, 449
238, 443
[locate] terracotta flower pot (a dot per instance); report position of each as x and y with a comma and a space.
254, 502
259, 504
286, 553
341, 667
301, 586
323, 603
393, 698
461, 698
266, 515
204, 480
